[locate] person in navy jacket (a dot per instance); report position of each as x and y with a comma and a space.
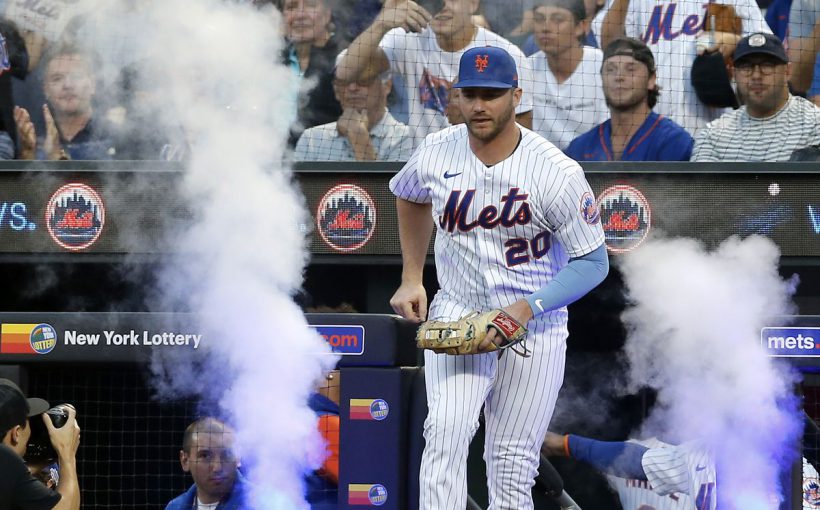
633, 132
207, 454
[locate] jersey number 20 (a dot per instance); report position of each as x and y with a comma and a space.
518, 248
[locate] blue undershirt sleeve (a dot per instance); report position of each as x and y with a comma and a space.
579, 276
621, 459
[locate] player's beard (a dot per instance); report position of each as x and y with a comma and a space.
496, 125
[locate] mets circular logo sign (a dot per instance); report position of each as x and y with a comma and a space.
625, 216
379, 409
377, 495
346, 217
43, 338
75, 216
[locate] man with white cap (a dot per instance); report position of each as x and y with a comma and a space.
18, 488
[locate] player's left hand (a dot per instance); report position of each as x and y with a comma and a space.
520, 311
410, 301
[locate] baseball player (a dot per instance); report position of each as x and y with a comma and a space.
517, 229
634, 132
424, 49
673, 29
684, 474
639, 495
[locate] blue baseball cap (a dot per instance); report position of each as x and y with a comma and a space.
486, 67
761, 44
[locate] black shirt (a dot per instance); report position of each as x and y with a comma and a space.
18, 489
319, 105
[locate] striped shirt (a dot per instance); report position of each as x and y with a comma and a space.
392, 141
736, 136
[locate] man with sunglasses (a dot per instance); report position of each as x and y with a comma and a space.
772, 123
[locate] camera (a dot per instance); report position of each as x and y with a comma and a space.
39, 448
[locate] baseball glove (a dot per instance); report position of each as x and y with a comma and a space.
465, 335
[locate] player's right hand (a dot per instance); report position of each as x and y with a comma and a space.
405, 14
410, 301
65, 439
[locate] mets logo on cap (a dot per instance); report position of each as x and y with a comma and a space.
481, 63
75, 216
486, 67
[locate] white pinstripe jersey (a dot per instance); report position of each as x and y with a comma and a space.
686, 469
505, 230
639, 494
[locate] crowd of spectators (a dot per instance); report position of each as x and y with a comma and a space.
374, 77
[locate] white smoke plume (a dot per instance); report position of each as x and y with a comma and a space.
694, 324
216, 67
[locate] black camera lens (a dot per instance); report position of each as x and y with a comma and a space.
58, 416
39, 448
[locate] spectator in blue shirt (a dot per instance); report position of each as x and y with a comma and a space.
634, 132
813, 94
207, 454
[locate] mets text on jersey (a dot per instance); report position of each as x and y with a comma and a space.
660, 24
455, 212
517, 250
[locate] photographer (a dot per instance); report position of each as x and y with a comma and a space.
18, 488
